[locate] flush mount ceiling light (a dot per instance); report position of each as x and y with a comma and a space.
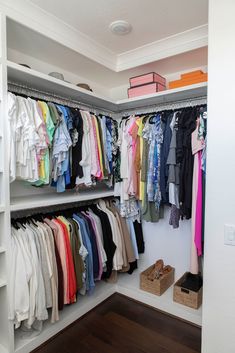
120, 27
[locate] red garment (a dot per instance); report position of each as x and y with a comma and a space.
71, 271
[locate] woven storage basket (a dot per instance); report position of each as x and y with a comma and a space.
157, 286
185, 296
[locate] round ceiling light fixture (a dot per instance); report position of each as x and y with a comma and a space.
120, 27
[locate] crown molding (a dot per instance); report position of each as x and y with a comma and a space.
49, 25
39, 20
179, 43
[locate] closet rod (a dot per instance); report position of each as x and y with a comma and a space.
50, 97
184, 103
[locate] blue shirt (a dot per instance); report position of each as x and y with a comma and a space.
90, 284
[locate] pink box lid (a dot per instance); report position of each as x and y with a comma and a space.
150, 77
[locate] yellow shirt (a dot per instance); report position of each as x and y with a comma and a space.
99, 147
64, 220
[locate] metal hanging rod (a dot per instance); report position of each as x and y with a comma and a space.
37, 94
56, 208
165, 106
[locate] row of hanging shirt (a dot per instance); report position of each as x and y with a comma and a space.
156, 162
57, 145
57, 256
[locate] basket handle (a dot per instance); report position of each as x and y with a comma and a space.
185, 290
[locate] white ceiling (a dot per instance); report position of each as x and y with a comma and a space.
152, 20
33, 44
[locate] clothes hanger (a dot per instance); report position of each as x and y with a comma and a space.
31, 220
14, 224
151, 118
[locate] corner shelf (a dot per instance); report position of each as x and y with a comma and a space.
3, 349
42, 82
164, 97
33, 79
2, 284
45, 200
2, 249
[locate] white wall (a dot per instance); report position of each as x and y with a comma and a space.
172, 245
120, 92
219, 265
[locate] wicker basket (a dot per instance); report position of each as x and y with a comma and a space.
185, 296
157, 286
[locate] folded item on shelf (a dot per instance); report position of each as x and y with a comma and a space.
189, 79
25, 65
191, 74
57, 75
84, 86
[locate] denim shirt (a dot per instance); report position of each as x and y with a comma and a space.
90, 284
153, 133
60, 153
109, 142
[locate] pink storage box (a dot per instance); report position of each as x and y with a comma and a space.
145, 89
147, 78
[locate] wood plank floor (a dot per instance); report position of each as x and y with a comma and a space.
120, 325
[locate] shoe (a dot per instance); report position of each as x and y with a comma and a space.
156, 271
167, 269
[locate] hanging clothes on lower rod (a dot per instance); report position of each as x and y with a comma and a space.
58, 256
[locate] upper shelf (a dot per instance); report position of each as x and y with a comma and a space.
46, 200
168, 96
42, 82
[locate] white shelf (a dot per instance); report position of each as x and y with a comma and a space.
45, 200
168, 96
3, 349
2, 249
130, 286
42, 82
2, 284
2, 208
69, 314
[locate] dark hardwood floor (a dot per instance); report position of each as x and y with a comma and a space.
121, 325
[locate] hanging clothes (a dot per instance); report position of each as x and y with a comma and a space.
155, 164
58, 256
198, 149
57, 145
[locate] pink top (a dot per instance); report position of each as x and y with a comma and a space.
71, 271
197, 144
59, 239
198, 220
133, 132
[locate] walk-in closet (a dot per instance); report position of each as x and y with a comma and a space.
117, 172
